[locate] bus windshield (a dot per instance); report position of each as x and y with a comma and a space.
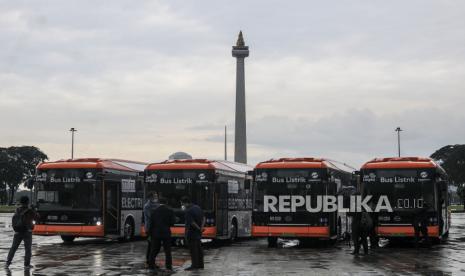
174, 184
276, 182
60, 189
405, 188
290, 181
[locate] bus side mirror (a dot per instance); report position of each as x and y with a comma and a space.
30, 183
247, 184
355, 179
443, 186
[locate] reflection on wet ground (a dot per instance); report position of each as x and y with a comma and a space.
248, 257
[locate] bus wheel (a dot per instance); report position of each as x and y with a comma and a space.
128, 230
233, 236
68, 239
272, 241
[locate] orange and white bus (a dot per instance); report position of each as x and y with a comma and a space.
409, 183
286, 182
89, 197
221, 188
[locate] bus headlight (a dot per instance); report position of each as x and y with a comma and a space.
98, 223
34, 222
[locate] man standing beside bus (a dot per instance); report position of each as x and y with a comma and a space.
150, 205
420, 224
361, 224
195, 222
161, 220
373, 236
22, 223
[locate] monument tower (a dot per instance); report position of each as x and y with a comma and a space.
240, 52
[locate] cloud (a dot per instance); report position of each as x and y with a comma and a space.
353, 136
143, 81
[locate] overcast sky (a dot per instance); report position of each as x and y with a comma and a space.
143, 79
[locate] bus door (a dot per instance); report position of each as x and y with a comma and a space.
442, 203
333, 219
221, 200
111, 210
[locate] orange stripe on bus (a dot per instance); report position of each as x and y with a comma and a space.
142, 231
209, 232
400, 163
290, 231
176, 231
88, 163
404, 231
292, 165
75, 230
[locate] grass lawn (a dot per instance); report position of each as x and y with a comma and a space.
456, 208
7, 209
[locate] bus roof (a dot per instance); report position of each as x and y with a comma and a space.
302, 163
94, 163
400, 163
200, 164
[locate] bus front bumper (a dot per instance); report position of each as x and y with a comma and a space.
404, 231
68, 230
291, 231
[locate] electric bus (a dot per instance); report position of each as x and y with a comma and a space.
89, 197
286, 188
410, 184
221, 188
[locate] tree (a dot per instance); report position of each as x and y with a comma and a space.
3, 168
452, 159
17, 164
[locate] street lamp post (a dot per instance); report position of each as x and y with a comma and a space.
73, 130
398, 130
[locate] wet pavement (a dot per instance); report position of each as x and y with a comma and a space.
248, 257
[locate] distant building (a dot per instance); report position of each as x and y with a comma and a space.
179, 155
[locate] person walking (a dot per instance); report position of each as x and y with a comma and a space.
420, 225
150, 205
195, 222
373, 236
23, 225
360, 229
161, 220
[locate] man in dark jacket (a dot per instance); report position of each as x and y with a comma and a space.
359, 233
373, 236
195, 222
420, 224
161, 219
23, 222
150, 205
